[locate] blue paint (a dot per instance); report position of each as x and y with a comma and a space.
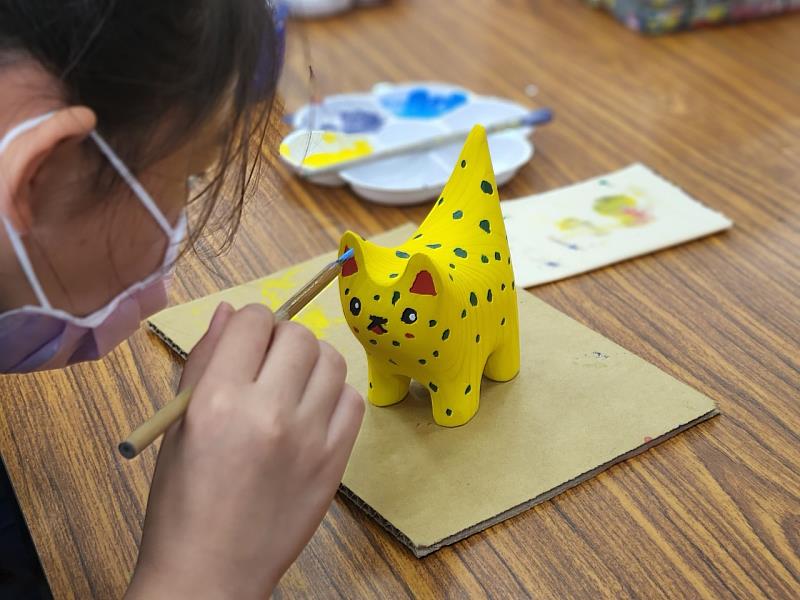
551, 263
422, 103
360, 121
356, 120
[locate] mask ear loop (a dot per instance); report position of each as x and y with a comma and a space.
13, 236
25, 263
133, 183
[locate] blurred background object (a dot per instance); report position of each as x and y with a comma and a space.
663, 16
310, 9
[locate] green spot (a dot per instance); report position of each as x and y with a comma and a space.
468, 390
445, 334
376, 297
401, 254
473, 299
489, 295
452, 266
395, 297
392, 275
395, 343
460, 252
373, 342
346, 291
485, 226
392, 361
422, 361
502, 286
433, 246
448, 412
503, 321
509, 260
477, 338
432, 323
458, 214
484, 259
440, 201
450, 275
433, 386
419, 235
513, 285
435, 353
497, 256
486, 187
370, 385
464, 314
463, 164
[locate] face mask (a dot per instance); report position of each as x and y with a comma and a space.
34, 338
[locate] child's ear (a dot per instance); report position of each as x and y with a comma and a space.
422, 276
22, 160
352, 241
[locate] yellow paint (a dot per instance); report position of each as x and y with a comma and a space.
317, 320
424, 336
329, 148
329, 137
276, 290
357, 149
622, 208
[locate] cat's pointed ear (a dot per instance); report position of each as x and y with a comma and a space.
422, 276
352, 265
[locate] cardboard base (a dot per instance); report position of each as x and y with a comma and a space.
579, 405
421, 551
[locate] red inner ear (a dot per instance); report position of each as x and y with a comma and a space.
423, 284
350, 266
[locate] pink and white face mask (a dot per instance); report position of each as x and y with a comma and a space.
34, 338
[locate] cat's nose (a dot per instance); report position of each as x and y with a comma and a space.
376, 324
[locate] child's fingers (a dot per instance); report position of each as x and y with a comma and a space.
240, 350
324, 386
346, 421
204, 349
292, 356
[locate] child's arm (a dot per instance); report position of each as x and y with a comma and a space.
244, 480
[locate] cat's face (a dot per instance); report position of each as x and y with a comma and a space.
391, 303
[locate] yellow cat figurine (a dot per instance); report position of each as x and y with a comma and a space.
442, 307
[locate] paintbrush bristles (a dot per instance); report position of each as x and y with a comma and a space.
155, 426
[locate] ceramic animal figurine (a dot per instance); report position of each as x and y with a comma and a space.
442, 307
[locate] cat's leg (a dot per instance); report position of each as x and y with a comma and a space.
456, 400
503, 363
385, 388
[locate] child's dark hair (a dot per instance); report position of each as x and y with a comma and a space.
133, 61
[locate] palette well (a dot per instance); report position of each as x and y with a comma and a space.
395, 114
580, 404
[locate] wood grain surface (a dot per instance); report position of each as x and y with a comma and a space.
712, 513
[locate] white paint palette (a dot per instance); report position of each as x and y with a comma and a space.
397, 114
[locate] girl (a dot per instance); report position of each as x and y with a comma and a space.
107, 108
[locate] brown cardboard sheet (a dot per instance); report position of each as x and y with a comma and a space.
579, 405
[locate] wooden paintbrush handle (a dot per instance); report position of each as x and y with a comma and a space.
155, 426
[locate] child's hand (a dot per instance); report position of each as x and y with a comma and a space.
244, 480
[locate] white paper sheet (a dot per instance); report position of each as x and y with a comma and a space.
601, 221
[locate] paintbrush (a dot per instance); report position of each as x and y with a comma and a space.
155, 426
536, 117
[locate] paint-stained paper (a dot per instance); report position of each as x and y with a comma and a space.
579, 405
601, 221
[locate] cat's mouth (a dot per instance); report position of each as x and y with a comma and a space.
376, 325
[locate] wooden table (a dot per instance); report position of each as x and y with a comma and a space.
713, 513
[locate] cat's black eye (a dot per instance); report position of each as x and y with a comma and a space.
409, 316
355, 306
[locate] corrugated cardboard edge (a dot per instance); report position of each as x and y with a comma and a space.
168, 341
421, 551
